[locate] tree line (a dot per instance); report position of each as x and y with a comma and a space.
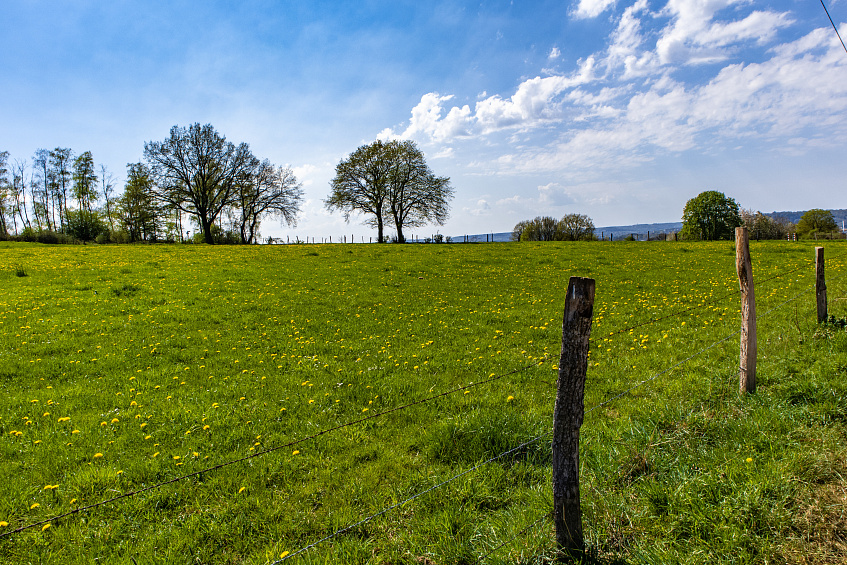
572, 227
194, 177
197, 177
709, 216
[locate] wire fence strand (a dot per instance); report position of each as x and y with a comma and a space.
271, 449
411, 498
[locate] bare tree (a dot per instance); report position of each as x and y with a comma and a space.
267, 191
197, 172
107, 189
19, 192
5, 193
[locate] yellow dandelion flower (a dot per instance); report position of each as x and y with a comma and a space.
34, 506
98, 455
45, 527
242, 489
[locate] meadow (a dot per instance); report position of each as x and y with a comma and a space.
124, 367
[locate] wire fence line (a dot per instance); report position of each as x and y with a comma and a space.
712, 302
272, 449
411, 498
475, 467
528, 527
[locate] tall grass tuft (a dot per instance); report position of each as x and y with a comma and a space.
20, 271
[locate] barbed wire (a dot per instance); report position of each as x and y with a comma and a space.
516, 536
711, 302
272, 449
411, 498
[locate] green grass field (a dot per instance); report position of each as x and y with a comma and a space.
123, 367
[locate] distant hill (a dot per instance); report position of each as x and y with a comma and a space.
640, 231
794, 217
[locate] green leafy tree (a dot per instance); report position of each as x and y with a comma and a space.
816, 221
60, 163
519, 228
542, 228
575, 227
360, 185
85, 182
137, 211
416, 196
709, 216
84, 224
761, 226
197, 171
266, 191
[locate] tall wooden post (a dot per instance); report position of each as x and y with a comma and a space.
820, 285
744, 266
568, 414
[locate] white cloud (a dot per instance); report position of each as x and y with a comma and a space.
535, 102
633, 102
693, 37
554, 53
591, 8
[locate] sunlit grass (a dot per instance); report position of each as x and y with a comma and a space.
128, 366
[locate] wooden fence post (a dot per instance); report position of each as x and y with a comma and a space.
744, 266
820, 285
568, 414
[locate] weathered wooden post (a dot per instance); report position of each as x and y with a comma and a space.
568, 414
820, 285
744, 266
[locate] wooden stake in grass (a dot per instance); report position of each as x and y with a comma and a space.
568, 414
744, 266
820, 285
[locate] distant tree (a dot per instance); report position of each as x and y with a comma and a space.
416, 196
85, 182
575, 227
137, 211
60, 163
5, 194
84, 224
815, 221
39, 188
761, 226
266, 191
709, 216
542, 228
519, 228
107, 190
197, 171
360, 185
19, 193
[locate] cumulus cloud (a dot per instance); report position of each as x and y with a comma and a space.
554, 53
591, 8
693, 36
535, 102
648, 93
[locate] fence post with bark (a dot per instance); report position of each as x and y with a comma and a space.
568, 415
744, 266
820, 285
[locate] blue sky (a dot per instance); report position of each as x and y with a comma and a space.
622, 110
